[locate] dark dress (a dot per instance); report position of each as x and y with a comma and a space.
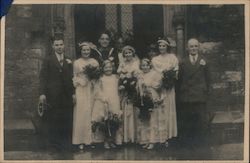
56, 84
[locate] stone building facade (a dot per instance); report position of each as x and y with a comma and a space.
29, 28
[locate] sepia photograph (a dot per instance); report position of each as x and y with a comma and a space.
102, 81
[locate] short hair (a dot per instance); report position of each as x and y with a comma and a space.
105, 32
106, 62
128, 47
193, 39
148, 61
57, 37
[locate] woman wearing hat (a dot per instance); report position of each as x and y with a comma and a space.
162, 63
82, 135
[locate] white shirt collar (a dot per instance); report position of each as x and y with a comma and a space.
59, 56
191, 57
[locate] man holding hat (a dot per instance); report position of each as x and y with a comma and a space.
56, 92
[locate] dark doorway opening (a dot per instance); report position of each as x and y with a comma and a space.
89, 22
148, 26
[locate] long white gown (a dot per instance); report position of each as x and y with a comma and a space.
154, 130
82, 133
129, 112
161, 63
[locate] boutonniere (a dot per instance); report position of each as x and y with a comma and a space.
68, 61
111, 58
202, 62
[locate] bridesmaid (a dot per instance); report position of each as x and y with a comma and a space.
83, 108
149, 85
166, 61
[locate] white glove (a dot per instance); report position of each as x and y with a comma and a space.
42, 99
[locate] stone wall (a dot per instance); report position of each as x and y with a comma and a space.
220, 29
226, 100
27, 42
227, 72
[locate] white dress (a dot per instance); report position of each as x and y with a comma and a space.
82, 133
152, 131
129, 126
161, 63
106, 99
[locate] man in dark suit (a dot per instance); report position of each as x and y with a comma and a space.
57, 91
194, 85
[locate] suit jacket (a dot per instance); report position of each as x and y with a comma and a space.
106, 54
194, 80
56, 83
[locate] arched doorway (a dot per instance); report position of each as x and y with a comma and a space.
89, 22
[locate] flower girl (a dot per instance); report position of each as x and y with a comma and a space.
106, 115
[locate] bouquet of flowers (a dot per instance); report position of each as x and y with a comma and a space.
108, 125
169, 79
145, 104
127, 84
92, 72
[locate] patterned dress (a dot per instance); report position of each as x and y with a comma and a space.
165, 62
152, 130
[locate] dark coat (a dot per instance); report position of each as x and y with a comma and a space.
56, 83
105, 54
194, 80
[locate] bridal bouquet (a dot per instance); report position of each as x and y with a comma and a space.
145, 103
127, 84
169, 79
92, 72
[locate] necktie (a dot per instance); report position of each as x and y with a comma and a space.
61, 60
193, 60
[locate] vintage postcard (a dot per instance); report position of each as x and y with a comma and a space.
125, 81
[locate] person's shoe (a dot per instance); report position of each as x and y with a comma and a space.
106, 145
112, 145
81, 147
150, 146
166, 144
145, 146
92, 146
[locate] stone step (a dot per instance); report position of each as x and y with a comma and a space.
19, 125
228, 127
19, 134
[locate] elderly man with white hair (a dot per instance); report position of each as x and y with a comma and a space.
194, 79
